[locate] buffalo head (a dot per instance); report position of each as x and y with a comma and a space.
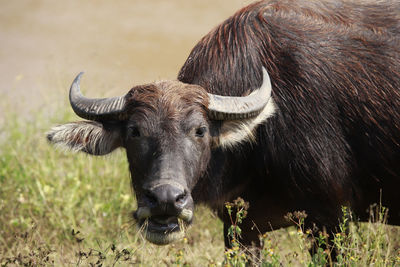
168, 130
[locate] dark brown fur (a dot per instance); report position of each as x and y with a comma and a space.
334, 140
168, 98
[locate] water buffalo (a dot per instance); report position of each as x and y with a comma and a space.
292, 105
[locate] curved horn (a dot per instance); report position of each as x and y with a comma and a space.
235, 108
97, 108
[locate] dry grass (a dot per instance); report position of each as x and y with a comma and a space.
63, 209
72, 209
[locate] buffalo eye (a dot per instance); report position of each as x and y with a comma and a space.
133, 131
201, 131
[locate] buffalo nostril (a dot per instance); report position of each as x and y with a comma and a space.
181, 198
166, 199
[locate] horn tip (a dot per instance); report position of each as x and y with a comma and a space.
265, 74
78, 78
80, 74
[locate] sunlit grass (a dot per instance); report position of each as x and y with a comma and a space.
76, 209
59, 208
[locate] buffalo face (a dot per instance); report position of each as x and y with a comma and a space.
168, 144
168, 130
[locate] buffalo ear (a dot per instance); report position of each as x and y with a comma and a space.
229, 133
87, 136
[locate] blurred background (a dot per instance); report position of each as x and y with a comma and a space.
118, 44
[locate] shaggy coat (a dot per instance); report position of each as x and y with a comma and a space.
334, 137
327, 136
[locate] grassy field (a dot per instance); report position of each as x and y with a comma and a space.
71, 209
64, 209
59, 208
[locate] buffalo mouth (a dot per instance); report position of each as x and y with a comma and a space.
163, 229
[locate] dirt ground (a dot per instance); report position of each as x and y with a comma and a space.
45, 43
